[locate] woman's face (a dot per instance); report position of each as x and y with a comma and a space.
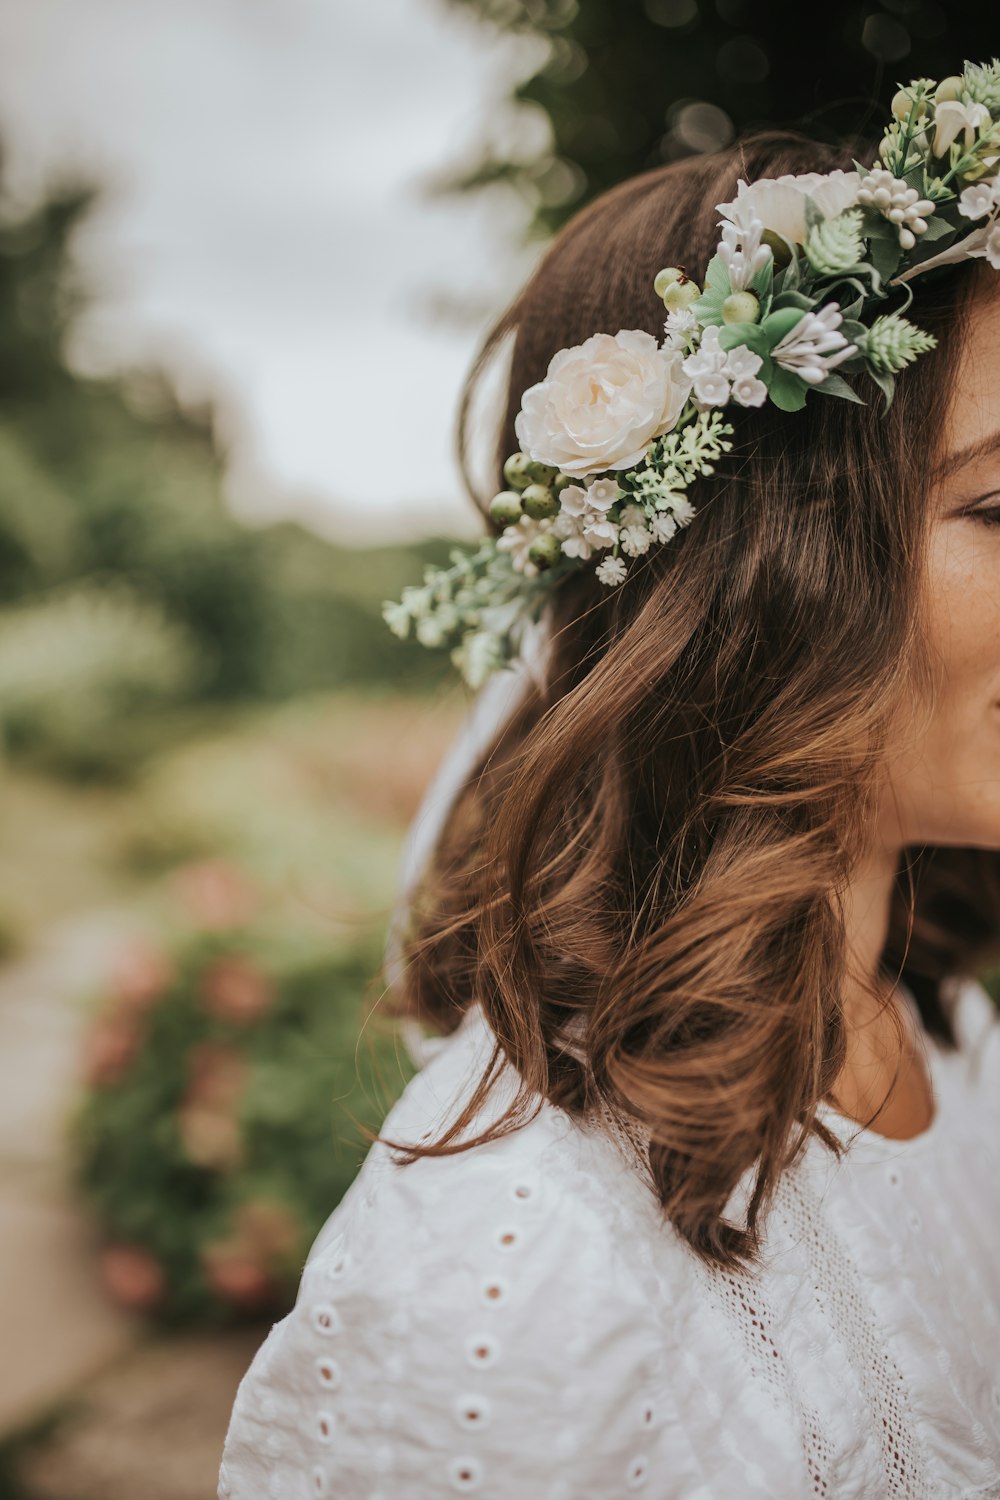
944, 777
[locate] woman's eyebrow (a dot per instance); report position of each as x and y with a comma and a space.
981, 448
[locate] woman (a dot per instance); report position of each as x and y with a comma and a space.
699, 1191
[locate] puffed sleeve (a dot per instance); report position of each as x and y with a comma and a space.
461, 1328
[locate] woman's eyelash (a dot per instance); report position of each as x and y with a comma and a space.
988, 513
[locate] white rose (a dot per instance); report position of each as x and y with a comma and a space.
602, 403
780, 202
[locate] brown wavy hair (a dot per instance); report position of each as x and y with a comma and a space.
641, 879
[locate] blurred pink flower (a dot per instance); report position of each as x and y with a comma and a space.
235, 989
108, 1050
211, 1137
207, 1119
133, 1276
235, 1272
271, 1227
217, 894
140, 974
217, 1073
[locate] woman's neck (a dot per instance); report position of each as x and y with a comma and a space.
876, 1061
866, 914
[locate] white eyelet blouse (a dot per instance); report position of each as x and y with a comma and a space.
518, 1320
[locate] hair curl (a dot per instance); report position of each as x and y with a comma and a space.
641, 880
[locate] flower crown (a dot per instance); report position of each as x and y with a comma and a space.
621, 425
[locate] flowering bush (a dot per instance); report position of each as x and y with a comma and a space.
222, 1089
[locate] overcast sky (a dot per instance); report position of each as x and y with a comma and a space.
263, 233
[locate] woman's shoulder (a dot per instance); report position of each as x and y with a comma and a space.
449, 1303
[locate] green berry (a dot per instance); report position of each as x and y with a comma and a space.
505, 508
539, 502
541, 473
563, 482
680, 295
666, 278
517, 471
544, 550
740, 307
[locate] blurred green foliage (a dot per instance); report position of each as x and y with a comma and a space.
624, 85
113, 487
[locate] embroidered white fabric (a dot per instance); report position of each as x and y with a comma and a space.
518, 1319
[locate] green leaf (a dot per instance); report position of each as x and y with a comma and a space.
777, 324
786, 390
792, 299
914, 178
853, 329
886, 383
885, 255
936, 229
834, 385
731, 335
708, 307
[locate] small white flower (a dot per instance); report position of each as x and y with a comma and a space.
480, 653
992, 247
611, 571
950, 116
749, 391
681, 509
742, 361
980, 199
741, 250
569, 529
603, 493
632, 515
712, 369
397, 617
429, 631
663, 527
417, 600
516, 540
711, 390
708, 357
601, 533
681, 328
635, 540
808, 348
573, 500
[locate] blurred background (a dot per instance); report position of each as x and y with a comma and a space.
248, 249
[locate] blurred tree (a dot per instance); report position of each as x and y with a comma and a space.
623, 85
106, 482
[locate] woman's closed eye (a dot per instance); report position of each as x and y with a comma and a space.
990, 514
